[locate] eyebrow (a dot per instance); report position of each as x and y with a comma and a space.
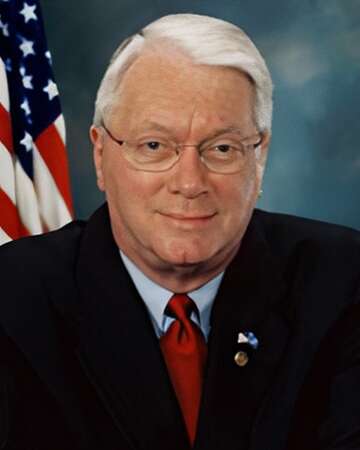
158, 127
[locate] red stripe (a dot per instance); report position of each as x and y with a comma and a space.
53, 152
5, 128
9, 218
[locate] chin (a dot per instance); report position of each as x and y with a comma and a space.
183, 254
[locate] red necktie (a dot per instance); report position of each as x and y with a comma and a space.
185, 351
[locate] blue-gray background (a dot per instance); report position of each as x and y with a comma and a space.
313, 51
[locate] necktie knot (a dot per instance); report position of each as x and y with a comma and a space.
180, 307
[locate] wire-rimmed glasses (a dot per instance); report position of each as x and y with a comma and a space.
224, 154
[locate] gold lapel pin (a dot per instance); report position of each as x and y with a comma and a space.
241, 358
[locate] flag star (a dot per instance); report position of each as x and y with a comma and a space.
26, 107
26, 79
28, 12
8, 65
27, 82
48, 56
5, 28
27, 47
51, 89
27, 141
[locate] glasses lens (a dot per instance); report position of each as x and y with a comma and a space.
225, 157
152, 154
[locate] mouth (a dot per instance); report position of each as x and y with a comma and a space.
193, 220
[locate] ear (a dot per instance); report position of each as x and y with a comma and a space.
261, 152
98, 148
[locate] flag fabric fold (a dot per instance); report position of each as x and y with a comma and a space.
35, 191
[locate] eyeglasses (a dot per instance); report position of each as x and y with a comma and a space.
225, 154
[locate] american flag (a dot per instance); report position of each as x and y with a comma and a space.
34, 182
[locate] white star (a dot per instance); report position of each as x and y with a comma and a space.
27, 141
27, 82
26, 79
51, 89
48, 56
27, 47
5, 28
28, 12
26, 107
8, 65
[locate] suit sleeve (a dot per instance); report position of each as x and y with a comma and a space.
327, 411
13, 429
340, 427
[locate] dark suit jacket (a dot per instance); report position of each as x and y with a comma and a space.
81, 368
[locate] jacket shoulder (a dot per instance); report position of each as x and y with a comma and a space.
35, 269
42, 252
284, 231
321, 256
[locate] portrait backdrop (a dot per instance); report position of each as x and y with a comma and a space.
313, 53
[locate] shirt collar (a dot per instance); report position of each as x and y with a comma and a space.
156, 297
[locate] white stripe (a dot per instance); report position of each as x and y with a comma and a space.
4, 237
4, 92
7, 175
60, 126
26, 201
52, 207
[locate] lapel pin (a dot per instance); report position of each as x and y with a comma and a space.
248, 337
241, 358
247, 343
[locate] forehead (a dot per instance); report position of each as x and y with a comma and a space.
166, 84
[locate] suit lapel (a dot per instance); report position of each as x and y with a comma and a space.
118, 348
249, 299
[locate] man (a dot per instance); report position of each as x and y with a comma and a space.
178, 316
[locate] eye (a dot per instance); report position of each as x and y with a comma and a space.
222, 151
151, 148
153, 145
223, 148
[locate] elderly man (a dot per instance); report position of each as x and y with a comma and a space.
178, 316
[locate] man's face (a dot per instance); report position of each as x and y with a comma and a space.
186, 216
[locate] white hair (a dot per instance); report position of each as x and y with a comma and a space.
206, 40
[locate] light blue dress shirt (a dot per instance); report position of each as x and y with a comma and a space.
156, 298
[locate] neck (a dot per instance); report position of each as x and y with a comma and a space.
184, 278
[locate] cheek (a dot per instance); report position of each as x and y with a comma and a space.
237, 206
242, 192
130, 190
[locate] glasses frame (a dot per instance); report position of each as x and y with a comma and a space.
121, 142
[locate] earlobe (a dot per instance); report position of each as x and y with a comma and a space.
97, 141
94, 134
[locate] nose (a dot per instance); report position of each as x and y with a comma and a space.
189, 175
